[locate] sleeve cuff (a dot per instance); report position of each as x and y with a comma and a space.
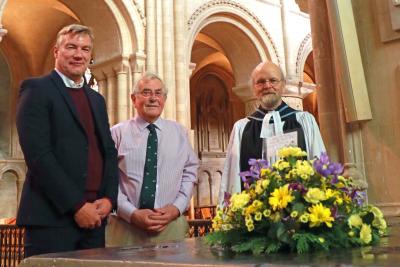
125, 211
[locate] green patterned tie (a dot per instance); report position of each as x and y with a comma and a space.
148, 192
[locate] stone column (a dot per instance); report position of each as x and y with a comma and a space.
151, 35
137, 63
352, 99
159, 40
182, 81
285, 33
123, 94
168, 56
111, 96
102, 86
3, 32
327, 90
246, 95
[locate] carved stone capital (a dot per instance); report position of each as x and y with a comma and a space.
138, 62
3, 32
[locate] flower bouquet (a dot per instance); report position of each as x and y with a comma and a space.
296, 205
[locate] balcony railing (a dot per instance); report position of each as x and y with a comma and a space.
11, 245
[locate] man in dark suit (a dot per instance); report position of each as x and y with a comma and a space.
72, 179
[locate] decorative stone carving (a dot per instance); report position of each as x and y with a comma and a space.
140, 10
217, 3
304, 50
3, 32
351, 170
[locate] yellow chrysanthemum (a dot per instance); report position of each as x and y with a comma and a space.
259, 189
264, 172
351, 233
346, 198
319, 214
239, 200
267, 213
304, 169
265, 183
258, 216
281, 165
249, 221
250, 227
275, 217
280, 198
257, 204
376, 211
294, 214
304, 218
291, 151
226, 227
380, 223
314, 195
249, 210
366, 233
338, 200
354, 221
329, 193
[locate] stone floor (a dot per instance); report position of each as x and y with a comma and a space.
193, 252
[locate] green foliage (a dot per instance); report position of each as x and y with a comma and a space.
293, 207
255, 245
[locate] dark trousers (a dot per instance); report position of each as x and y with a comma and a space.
41, 239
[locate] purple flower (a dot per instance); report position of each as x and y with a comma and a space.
335, 168
358, 197
334, 212
324, 167
248, 177
297, 187
227, 199
256, 165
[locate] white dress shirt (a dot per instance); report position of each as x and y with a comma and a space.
177, 164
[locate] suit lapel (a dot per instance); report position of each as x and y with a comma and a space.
63, 90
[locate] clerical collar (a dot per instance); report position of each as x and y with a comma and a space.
283, 109
70, 83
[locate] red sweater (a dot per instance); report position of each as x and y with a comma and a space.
95, 157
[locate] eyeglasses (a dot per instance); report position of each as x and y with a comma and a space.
148, 93
261, 83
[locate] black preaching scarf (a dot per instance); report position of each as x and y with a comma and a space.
251, 145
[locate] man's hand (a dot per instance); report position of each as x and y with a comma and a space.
166, 214
142, 219
103, 206
87, 216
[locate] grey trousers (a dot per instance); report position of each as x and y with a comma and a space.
120, 233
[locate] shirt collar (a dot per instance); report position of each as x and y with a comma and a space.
142, 124
70, 83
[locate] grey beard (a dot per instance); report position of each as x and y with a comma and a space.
270, 101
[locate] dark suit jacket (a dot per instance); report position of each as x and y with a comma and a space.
55, 147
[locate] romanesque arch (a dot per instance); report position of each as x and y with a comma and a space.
226, 41
239, 32
27, 51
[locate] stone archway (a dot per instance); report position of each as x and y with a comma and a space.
9, 193
226, 42
240, 37
118, 41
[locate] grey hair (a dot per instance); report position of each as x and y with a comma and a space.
251, 80
148, 76
75, 29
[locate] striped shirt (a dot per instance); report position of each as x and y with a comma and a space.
176, 164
